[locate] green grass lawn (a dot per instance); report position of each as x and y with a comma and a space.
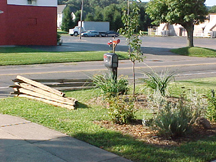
26, 56
202, 86
79, 124
195, 51
59, 31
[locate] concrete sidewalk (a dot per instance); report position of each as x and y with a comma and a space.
24, 141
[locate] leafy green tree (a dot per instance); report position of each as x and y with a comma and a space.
131, 24
60, 2
98, 16
103, 3
108, 15
77, 5
67, 22
144, 20
213, 9
117, 21
184, 12
111, 14
104, 10
77, 17
89, 17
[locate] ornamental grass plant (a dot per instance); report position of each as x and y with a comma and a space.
109, 86
160, 81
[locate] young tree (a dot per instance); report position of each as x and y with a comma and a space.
131, 24
184, 12
67, 22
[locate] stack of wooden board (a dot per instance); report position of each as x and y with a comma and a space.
67, 84
24, 87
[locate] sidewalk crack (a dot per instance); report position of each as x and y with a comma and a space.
9, 125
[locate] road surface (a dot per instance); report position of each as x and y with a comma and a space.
156, 51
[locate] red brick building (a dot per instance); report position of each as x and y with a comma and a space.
28, 22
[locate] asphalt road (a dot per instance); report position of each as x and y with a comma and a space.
156, 51
150, 45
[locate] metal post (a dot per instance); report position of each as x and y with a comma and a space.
114, 74
81, 20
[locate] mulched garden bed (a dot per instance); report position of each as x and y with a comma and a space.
145, 134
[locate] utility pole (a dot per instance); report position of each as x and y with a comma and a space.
81, 15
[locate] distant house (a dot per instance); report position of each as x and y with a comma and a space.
210, 26
205, 29
28, 22
60, 10
60, 15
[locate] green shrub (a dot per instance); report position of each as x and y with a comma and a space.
158, 82
211, 111
121, 110
175, 116
110, 87
58, 37
172, 121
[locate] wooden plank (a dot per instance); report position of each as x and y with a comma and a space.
63, 80
39, 85
74, 88
16, 89
70, 107
64, 88
67, 83
40, 91
18, 80
75, 84
35, 94
14, 86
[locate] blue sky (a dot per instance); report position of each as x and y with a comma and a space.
208, 2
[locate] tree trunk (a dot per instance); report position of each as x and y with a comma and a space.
134, 84
190, 30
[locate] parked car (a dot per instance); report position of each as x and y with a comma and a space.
110, 34
90, 33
